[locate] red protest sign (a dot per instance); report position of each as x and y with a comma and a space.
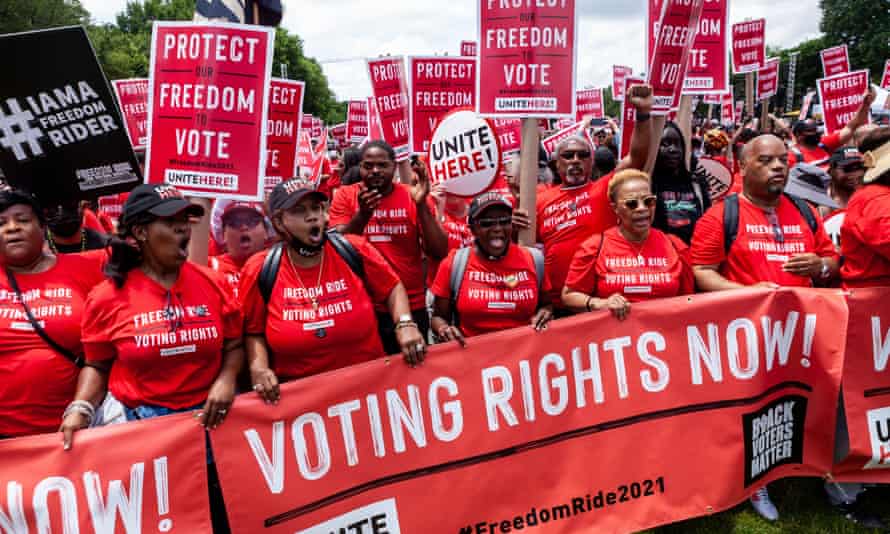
338, 132
509, 132
714, 98
628, 117
306, 123
390, 88
357, 121
748, 46
551, 142
112, 205
375, 127
317, 125
438, 85
468, 48
768, 79
154, 479
835, 60
589, 104
805, 105
132, 96
708, 69
207, 108
526, 59
283, 130
464, 153
670, 57
619, 73
841, 97
739, 109
384, 443
728, 113
885, 80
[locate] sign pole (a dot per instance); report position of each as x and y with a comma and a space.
710, 111
749, 93
764, 115
528, 178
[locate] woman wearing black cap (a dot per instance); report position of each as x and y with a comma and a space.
309, 301
41, 294
492, 285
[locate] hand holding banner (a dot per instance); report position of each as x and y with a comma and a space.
390, 87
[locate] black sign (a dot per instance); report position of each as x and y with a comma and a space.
774, 436
61, 134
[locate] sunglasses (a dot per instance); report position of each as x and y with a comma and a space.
634, 203
490, 222
248, 220
570, 154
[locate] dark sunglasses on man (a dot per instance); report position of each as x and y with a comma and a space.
569, 155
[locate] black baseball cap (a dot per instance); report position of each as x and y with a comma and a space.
844, 155
288, 193
158, 199
487, 200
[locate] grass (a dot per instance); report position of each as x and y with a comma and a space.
803, 509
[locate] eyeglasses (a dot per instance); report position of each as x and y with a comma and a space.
634, 203
773, 220
490, 222
570, 154
249, 220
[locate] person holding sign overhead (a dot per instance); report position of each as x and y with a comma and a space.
630, 262
491, 285
309, 301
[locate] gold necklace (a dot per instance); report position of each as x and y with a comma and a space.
312, 298
52, 241
638, 249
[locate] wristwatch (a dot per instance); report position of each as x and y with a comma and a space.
825, 273
405, 318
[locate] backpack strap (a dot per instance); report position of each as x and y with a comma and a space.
346, 251
269, 271
805, 211
730, 220
458, 268
538, 260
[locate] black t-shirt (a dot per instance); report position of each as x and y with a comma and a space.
94, 241
680, 205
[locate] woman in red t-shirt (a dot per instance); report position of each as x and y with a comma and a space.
37, 380
163, 334
630, 262
316, 312
499, 288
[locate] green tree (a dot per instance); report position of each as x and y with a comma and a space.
24, 15
864, 26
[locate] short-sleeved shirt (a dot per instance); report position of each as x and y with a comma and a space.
566, 216
865, 238
342, 330
36, 382
459, 236
167, 345
494, 294
833, 222
394, 230
608, 263
757, 255
821, 153
226, 266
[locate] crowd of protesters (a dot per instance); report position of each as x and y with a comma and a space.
375, 261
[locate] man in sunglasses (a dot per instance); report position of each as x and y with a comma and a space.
578, 208
846, 170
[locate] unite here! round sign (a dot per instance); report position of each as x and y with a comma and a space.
464, 153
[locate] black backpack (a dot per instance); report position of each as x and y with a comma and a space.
269, 271
731, 217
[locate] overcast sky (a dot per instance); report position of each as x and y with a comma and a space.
609, 32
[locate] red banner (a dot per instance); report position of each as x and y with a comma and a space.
112, 205
207, 108
714, 98
885, 80
468, 48
283, 130
148, 476
527, 59
306, 123
383, 443
841, 97
866, 391
338, 132
509, 132
748, 46
317, 127
390, 88
589, 104
357, 121
768, 79
727, 110
670, 57
708, 69
619, 73
628, 117
438, 85
132, 96
835, 60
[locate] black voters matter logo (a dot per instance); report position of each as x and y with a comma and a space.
774, 436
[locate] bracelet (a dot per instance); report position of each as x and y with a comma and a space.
587, 305
404, 324
642, 117
82, 407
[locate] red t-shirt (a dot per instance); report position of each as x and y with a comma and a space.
166, 345
226, 266
865, 238
459, 236
394, 230
91, 221
565, 218
36, 382
608, 263
828, 145
494, 294
342, 332
756, 255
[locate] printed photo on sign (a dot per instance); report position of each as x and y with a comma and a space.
61, 135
